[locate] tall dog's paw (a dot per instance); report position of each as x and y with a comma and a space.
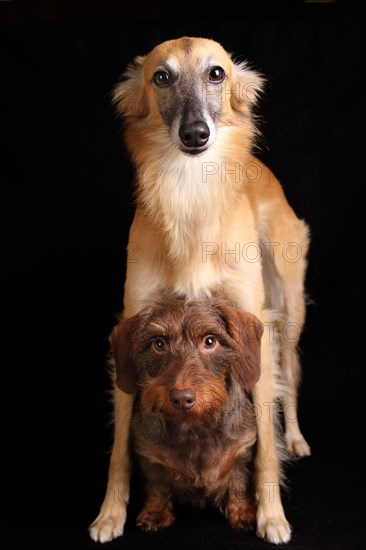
109, 524
297, 445
273, 529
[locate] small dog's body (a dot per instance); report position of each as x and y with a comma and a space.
211, 221
194, 426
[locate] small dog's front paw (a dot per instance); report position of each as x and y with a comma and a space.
240, 516
153, 520
109, 524
274, 529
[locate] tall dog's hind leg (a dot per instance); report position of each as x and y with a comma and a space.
112, 516
272, 524
291, 266
290, 331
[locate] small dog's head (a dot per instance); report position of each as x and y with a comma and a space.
183, 355
189, 89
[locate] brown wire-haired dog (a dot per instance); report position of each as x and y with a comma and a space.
192, 363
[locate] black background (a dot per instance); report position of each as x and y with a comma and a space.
66, 205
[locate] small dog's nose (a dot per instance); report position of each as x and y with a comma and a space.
194, 134
182, 399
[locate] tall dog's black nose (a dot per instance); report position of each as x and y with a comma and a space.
182, 399
194, 134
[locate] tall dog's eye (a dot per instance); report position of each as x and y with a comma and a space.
161, 79
159, 344
209, 342
216, 75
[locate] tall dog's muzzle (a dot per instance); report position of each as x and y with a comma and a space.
194, 136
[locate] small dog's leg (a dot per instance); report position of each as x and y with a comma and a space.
272, 524
241, 515
240, 508
157, 512
112, 516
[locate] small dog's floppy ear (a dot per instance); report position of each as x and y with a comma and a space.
129, 96
126, 371
247, 86
246, 330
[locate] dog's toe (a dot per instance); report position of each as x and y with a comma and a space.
144, 527
244, 525
152, 521
106, 530
301, 448
275, 530
108, 525
241, 516
297, 446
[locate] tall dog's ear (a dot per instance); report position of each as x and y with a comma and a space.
129, 96
121, 346
246, 330
247, 87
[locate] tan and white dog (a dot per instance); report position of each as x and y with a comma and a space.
211, 221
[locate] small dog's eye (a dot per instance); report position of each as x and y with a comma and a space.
216, 75
209, 342
159, 344
161, 79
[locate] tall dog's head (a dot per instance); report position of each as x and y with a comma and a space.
187, 89
184, 355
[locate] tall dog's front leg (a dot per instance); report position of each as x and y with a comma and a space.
112, 516
110, 522
271, 521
